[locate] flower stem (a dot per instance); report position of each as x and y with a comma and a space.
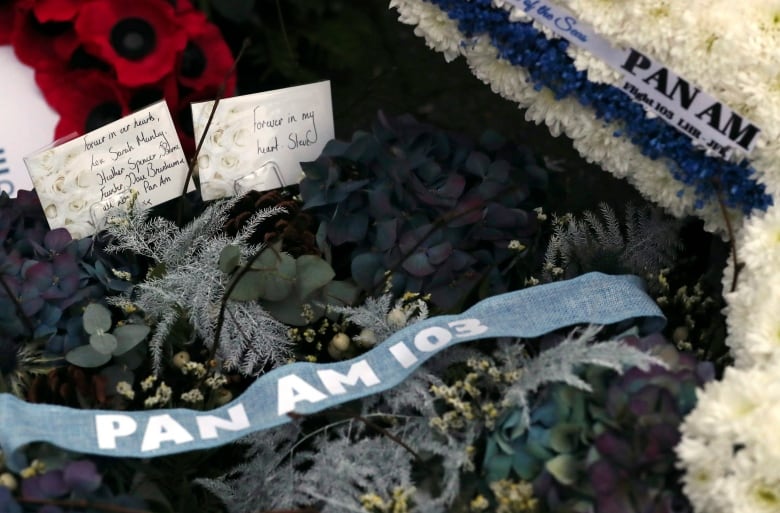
220, 93
732, 242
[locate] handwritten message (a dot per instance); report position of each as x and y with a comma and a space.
82, 179
27, 121
283, 127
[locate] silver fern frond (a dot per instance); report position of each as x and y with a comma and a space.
642, 244
187, 282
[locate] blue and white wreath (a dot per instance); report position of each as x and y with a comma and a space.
730, 450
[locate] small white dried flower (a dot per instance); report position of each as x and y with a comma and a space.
125, 389
193, 396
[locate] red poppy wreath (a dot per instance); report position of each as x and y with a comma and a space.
98, 60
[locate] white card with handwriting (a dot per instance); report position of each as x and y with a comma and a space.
257, 141
78, 181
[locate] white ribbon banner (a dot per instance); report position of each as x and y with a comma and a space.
677, 101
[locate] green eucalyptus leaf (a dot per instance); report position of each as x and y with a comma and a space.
229, 258
86, 356
129, 336
278, 283
248, 287
103, 343
97, 318
341, 293
269, 259
133, 358
289, 310
313, 273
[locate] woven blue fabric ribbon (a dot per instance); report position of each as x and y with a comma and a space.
306, 388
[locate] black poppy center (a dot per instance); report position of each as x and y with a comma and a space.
144, 98
133, 38
193, 61
101, 115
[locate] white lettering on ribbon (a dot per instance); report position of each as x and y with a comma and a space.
163, 428
111, 426
291, 390
209, 424
334, 381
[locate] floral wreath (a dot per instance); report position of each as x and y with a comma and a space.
730, 464
99, 60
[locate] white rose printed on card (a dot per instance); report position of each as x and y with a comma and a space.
138, 156
258, 141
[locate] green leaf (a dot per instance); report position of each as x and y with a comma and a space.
129, 336
278, 283
268, 259
86, 356
248, 287
229, 258
341, 293
313, 273
289, 310
97, 318
133, 358
104, 343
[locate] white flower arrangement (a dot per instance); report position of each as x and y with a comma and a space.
729, 451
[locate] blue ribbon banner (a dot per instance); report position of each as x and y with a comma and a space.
306, 388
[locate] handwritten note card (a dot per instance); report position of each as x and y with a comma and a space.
80, 180
285, 127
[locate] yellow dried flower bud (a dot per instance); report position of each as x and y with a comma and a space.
181, 359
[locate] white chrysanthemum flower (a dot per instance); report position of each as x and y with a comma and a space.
730, 408
511, 82
731, 460
761, 330
439, 30
755, 484
759, 241
705, 465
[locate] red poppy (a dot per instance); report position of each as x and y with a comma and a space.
84, 99
182, 6
166, 89
8, 13
139, 39
56, 10
44, 45
206, 59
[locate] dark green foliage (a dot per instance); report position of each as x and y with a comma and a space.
50, 276
642, 244
77, 482
608, 450
285, 285
434, 209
